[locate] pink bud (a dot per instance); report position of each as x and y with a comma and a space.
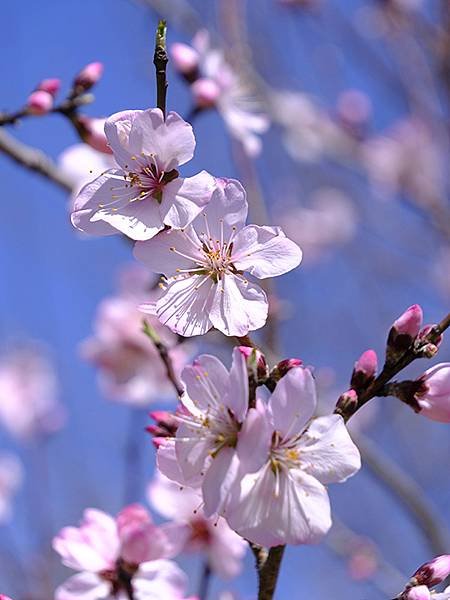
354, 107
347, 402
166, 425
88, 76
433, 572
410, 322
39, 103
364, 370
206, 92
420, 592
434, 394
49, 85
185, 58
256, 362
92, 131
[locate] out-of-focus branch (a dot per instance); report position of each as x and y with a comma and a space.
33, 159
408, 491
165, 356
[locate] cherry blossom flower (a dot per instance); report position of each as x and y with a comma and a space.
130, 368
145, 193
114, 555
286, 502
193, 531
11, 476
29, 404
225, 88
205, 263
81, 163
203, 453
433, 397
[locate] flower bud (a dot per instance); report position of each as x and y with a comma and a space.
364, 370
420, 592
403, 331
283, 367
428, 349
185, 60
92, 132
51, 86
256, 363
433, 572
206, 92
433, 396
347, 402
166, 424
39, 103
88, 77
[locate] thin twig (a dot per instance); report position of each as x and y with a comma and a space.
204, 581
164, 355
160, 60
408, 491
268, 573
33, 159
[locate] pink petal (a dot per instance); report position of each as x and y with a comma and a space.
168, 464
186, 305
293, 402
171, 500
157, 255
220, 477
265, 252
83, 586
171, 141
238, 306
117, 130
159, 579
327, 450
237, 398
183, 199
226, 550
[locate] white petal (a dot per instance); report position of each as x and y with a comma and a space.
138, 220
327, 451
237, 396
254, 439
186, 305
192, 451
293, 402
206, 383
238, 307
167, 463
158, 580
117, 130
83, 586
183, 199
265, 252
219, 479
226, 210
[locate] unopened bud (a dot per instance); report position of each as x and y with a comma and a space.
347, 402
166, 424
425, 348
88, 77
206, 92
403, 332
283, 367
185, 60
51, 86
92, 131
433, 572
364, 370
39, 103
256, 363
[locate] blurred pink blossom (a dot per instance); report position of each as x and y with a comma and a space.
11, 476
329, 220
130, 368
223, 549
29, 392
112, 554
82, 163
88, 76
39, 103
92, 131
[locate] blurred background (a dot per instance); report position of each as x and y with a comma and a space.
354, 96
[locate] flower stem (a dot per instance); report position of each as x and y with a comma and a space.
160, 61
204, 581
268, 573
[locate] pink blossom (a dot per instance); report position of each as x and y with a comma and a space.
11, 476
50, 86
114, 553
410, 322
92, 131
130, 368
39, 103
285, 501
206, 92
81, 163
204, 266
3, 597
236, 100
28, 392
194, 532
185, 58
88, 76
364, 370
433, 572
433, 397
204, 449
420, 592
145, 193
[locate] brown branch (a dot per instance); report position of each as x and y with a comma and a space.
408, 491
160, 60
33, 159
377, 387
164, 355
268, 573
